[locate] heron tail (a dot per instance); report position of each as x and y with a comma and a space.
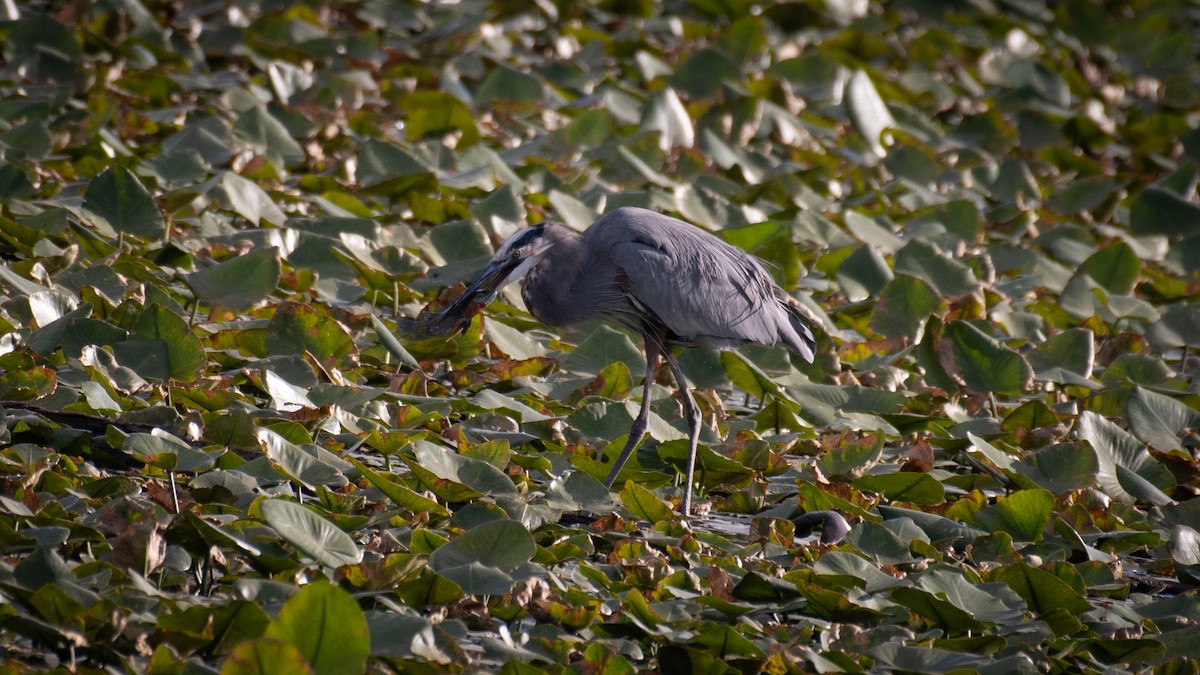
797, 335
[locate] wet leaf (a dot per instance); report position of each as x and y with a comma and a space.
868, 112
1072, 350
509, 84
475, 473
1042, 591
665, 114
167, 452
1062, 467
937, 611
239, 283
119, 200
266, 655
852, 459
904, 305
311, 534
1158, 211
481, 560
1159, 420
327, 626
915, 488
1023, 514
400, 495
298, 464
864, 273
250, 201
948, 277
1083, 195
163, 347
436, 112
1116, 268
603, 347
298, 329
1126, 472
643, 504
984, 363
261, 130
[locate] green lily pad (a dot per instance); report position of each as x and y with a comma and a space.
984, 363
903, 307
481, 560
163, 347
327, 626
264, 656
297, 329
238, 283
310, 533
118, 199
1023, 514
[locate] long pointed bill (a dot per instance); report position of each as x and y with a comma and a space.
481, 292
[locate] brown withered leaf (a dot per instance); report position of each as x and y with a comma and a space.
160, 493
919, 457
508, 369
772, 530
609, 523
720, 584
140, 547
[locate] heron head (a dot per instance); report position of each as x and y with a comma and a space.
520, 252
513, 259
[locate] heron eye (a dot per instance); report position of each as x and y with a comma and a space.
516, 254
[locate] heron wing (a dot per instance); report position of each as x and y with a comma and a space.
699, 287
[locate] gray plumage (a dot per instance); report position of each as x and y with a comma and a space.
640, 267
671, 282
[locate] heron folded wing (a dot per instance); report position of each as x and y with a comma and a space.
700, 288
702, 294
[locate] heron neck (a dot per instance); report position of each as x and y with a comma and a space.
549, 288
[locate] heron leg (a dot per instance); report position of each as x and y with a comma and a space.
693, 419
638, 430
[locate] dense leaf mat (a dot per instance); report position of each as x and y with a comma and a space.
218, 456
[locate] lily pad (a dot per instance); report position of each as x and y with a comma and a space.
310, 533
481, 560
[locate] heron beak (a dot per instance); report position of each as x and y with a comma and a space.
481, 292
485, 287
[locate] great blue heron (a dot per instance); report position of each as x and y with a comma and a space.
673, 283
